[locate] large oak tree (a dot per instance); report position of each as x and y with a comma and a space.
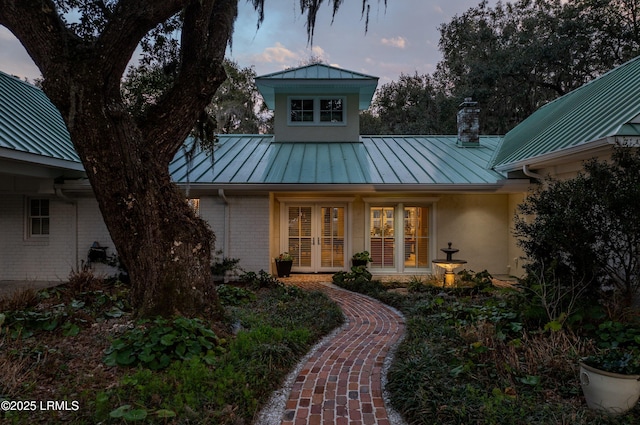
83, 48
516, 56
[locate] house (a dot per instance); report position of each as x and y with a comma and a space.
583, 124
315, 188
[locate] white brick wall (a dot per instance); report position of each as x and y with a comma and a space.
74, 228
249, 237
48, 258
91, 228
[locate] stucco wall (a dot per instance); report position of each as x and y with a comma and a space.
305, 133
515, 256
477, 225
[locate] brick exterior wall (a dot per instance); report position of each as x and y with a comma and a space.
47, 258
249, 232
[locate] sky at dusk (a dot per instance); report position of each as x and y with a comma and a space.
402, 38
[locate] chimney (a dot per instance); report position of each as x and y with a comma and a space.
468, 124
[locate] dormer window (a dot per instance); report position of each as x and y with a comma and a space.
317, 111
301, 110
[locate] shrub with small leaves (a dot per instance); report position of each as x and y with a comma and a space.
260, 280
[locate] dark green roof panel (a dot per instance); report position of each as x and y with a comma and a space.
377, 160
30, 123
604, 107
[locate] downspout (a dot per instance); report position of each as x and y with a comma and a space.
527, 172
227, 222
61, 195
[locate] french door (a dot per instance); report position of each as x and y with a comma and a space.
316, 237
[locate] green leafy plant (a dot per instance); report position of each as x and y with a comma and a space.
625, 361
584, 234
233, 295
285, 256
224, 266
259, 280
362, 256
156, 344
358, 280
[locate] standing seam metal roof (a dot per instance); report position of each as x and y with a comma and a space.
599, 109
426, 160
30, 123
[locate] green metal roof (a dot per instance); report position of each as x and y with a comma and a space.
605, 107
31, 128
376, 160
317, 79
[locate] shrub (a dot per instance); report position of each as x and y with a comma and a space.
156, 344
260, 280
358, 280
582, 235
233, 295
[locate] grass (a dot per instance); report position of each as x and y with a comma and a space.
73, 343
471, 355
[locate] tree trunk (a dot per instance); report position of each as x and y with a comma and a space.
164, 245
166, 248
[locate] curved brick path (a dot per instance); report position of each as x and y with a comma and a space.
341, 382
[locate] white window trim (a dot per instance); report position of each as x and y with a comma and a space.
316, 112
399, 204
28, 234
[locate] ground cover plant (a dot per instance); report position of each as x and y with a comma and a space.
475, 354
79, 343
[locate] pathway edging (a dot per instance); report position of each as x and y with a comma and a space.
275, 411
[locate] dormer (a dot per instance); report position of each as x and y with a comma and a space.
317, 103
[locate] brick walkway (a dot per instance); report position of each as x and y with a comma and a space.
341, 382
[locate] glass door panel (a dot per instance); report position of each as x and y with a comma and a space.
316, 237
300, 235
332, 228
382, 234
416, 237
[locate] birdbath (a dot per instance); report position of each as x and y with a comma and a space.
449, 265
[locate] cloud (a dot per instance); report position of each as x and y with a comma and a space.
399, 42
276, 54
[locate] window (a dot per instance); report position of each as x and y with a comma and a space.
382, 237
416, 237
317, 111
301, 110
331, 110
38, 217
399, 237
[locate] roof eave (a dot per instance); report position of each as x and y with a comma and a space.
36, 159
582, 151
348, 188
365, 89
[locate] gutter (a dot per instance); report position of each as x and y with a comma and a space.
527, 172
61, 195
581, 151
227, 222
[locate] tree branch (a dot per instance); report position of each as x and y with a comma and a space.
129, 23
206, 31
39, 28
